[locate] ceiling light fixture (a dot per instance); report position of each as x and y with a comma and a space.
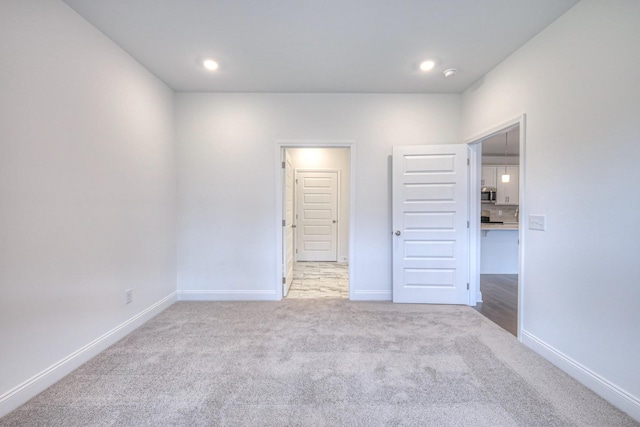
450, 72
427, 65
210, 64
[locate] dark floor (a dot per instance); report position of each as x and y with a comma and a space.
500, 300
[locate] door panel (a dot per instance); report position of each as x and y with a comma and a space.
430, 224
288, 228
316, 216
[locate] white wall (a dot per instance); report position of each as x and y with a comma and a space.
226, 176
330, 159
579, 85
87, 187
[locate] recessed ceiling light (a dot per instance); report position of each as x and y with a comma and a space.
210, 64
427, 65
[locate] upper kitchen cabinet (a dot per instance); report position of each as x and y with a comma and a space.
488, 176
508, 193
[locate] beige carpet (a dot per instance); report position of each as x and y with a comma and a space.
324, 362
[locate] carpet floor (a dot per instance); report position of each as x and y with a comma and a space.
322, 362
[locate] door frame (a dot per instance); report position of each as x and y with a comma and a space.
338, 206
288, 246
475, 173
280, 147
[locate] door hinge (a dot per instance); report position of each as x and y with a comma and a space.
284, 280
467, 286
296, 251
468, 162
283, 165
284, 222
467, 224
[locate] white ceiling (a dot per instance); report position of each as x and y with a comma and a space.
371, 46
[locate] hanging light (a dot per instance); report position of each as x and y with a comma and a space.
505, 176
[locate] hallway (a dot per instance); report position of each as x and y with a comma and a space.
320, 280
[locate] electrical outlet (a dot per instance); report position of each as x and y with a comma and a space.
499, 213
128, 296
537, 222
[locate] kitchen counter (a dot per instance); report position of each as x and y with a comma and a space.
484, 226
499, 248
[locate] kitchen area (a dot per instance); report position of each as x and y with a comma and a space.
499, 223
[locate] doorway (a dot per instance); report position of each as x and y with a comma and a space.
499, 178
315, 191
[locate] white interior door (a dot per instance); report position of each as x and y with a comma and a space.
430, 224
317, 216
288, 225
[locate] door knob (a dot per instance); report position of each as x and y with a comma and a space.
397, 232
334, 221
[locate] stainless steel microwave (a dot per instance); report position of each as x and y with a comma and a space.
488, 195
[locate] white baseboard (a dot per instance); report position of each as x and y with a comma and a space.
227, 295
250, 295
40, 382
606, 389
370, 295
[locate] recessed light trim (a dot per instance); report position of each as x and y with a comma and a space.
427, 65
210, 64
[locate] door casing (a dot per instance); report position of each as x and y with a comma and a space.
288, 234
474, 209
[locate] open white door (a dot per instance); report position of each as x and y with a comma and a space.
288, 225
430, 224
317, 216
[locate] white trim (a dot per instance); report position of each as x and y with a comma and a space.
280, 146
521, 121
54, 373
371, 295
606, 389
228, 295
501, 128
475, 166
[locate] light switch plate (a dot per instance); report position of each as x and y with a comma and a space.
537, 222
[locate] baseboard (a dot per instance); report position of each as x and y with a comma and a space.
250, 295
607, 390
40, 382
370, 295
227, 295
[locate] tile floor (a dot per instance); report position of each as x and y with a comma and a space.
320, 280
